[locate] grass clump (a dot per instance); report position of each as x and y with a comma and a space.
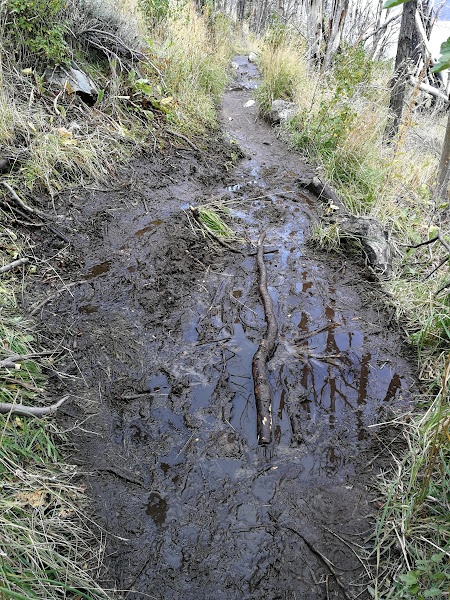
413, 532
282, 65
212, 219
196, 50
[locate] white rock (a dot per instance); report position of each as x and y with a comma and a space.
281, 110
253, 57
234, 65
249, 103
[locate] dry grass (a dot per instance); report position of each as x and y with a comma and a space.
196, 51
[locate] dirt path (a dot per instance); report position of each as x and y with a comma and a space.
162, 334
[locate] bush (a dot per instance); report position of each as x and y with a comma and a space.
34, 31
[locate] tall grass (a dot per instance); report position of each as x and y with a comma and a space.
195, 50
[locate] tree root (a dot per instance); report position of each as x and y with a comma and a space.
264, 352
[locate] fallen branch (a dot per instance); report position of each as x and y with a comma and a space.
184, 138
13, 265
305, 337
264, 352
196, 214
11, 361
44, 302
428, 89
20, 202
32, 411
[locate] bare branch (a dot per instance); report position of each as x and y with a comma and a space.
13, 265
32, 411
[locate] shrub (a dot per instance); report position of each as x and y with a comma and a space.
34, 30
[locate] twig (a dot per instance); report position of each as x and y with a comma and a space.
184, 138
444, 287
264, 352
443, 261
13, 265
134, 53
305, 337
11, 361
324, 559
32, 411
56, 232
44, 302
430, 241
443, 242
18, 200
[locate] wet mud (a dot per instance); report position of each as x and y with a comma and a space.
161, 334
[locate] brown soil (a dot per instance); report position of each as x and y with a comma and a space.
161, 336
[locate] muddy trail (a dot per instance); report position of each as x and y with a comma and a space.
162, 330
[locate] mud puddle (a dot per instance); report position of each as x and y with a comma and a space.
163, 331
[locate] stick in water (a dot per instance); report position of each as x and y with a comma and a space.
264, 352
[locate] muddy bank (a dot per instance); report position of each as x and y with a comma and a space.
161, 334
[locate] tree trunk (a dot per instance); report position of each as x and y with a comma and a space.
315, 11
444, 165
337, 21
399, 79
240, 10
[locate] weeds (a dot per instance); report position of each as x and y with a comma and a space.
212, 219
196, 51
413, 534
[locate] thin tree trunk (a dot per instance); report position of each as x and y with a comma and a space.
444, 165
399, 79
315, 12
340, 8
